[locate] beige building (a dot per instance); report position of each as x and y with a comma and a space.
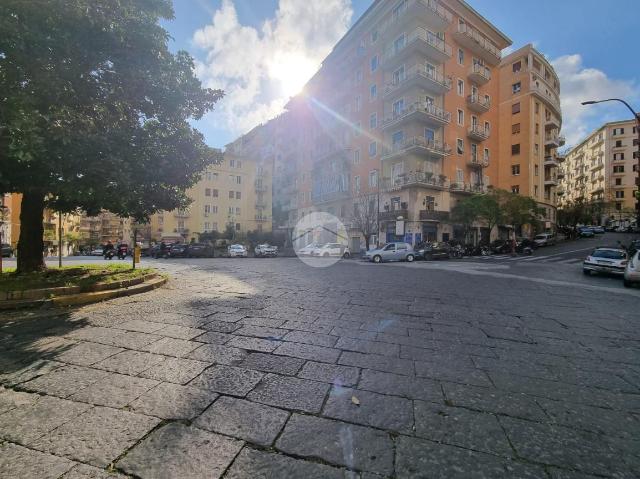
235, 193
529, 130
603, 168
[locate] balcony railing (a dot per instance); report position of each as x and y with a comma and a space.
479, 133
478, 43
441, 49
461, 187
393, 215
438, 15
479, 74
433, 215
475, 161
478, 103
437, 80
434, 112
427, 180
548, 95
416, 143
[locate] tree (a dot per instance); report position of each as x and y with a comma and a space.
574, 212
520, 210
490, 207
465, 212
365, 216
94, 112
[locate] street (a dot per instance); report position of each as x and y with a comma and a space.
495, 367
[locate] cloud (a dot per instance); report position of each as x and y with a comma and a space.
579, 83
259, 69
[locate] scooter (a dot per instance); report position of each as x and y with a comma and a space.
109, 254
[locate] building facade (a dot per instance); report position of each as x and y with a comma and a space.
529, 134
603, 168
235, 193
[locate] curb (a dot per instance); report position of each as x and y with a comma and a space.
85, 298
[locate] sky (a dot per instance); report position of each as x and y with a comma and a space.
261, 52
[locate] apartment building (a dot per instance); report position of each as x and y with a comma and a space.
235, 193
403, 111
603, 168
530, 120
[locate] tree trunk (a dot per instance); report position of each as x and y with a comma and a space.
366, 241
30, 243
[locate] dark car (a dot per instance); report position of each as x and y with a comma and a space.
7, 251
178, 250
199, 250
585, 232
500, 246
432, 250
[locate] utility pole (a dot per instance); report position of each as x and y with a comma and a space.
636, 117
59, 239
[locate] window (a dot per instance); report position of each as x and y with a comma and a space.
460, 56
460, 146
460, 117
358, 103
398, 107
357, 130
515, 128
207, 209
515, 170
373, 149
620, 194
356, 181
214, 193
397, 138
537, 129
237, 210
237, 195
232, 163
535, 190
515, 149
374, 63
373, 121
516, 67
618, 144
618, 131
515, 108
214, 208
618, 181
460, 87
374, 36
373, 178
515, 189
238, 164
358, 77
207, 226
399, 43
207, 192
429, 134
459, 175
618, 169
536, 170
231, 195
373, 92
398, 75
618, 156
537, 108
486, 155
231, 210
516, 87
237, 226
356, 157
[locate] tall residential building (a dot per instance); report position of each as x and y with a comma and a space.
530, 123
235, 193
603, 168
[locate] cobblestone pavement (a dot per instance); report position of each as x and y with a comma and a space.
273, 369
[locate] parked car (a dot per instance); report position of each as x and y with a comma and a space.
585, 232
544, 239
605, 260
178, 250
237, 251
309, 249
391, 252
610, 228
332, 249
500, 246
632, 271
266, 250
429, 250
7, 250
199, 250
96, 252
598, 229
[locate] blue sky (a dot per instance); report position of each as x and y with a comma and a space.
260, 51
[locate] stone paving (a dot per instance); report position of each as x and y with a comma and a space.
272, 369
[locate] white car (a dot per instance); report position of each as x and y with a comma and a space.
309, 249
332, 249
237, 251
605, 260
266, 250
544, 239
632, 271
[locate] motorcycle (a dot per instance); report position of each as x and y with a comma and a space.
109, 254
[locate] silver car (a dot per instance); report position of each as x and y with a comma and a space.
391, 252
632, 271
605, 260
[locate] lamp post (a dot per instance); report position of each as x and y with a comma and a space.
636, 116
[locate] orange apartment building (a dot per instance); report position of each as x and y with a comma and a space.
529, 136
407, 110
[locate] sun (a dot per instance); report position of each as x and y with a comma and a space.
292, 70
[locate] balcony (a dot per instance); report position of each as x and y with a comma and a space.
467, 188
478, 44
560, 158
261, 218
620, 147
260, 186
424, 12
419, 111
552, 122
618, 172
560, 191
261, 204
432, 215
553, 141
474, 161
479, 74
418, 41
597, 166
551, 180
551, 161
181, 214
479, 104
419, 145
419, 76
544, 92
419, 179
478, 133
560, 173
393, 215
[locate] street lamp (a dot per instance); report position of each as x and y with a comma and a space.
636, 116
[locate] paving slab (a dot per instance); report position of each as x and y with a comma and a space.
86, 354
176, 450
175, 370
129, 362
18, 462
115, 390
330, 373
173, 401
273, 364
228, 380
290, 393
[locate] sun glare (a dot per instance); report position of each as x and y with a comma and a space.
292, 71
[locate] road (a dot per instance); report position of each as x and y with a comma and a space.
493, 368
